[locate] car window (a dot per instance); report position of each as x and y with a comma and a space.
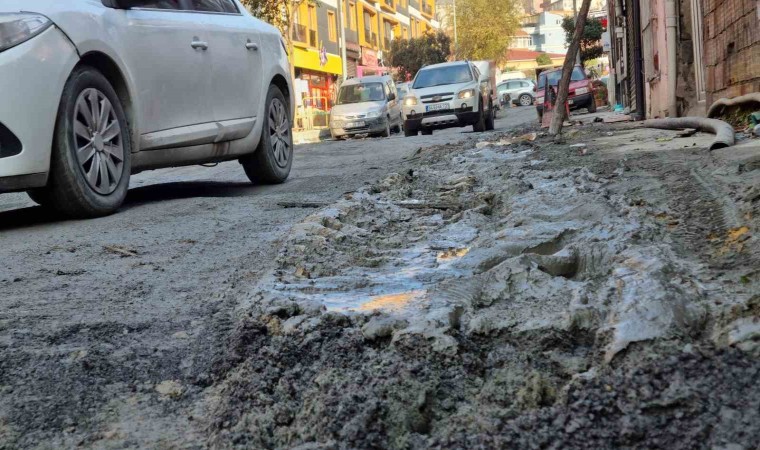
524, 84
439, 76
359, 93
217, 6
554, 77
511, 85
155, 4
501, 88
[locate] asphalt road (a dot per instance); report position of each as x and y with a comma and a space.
95, 314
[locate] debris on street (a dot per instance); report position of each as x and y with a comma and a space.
594, 302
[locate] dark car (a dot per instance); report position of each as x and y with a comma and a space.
580, 95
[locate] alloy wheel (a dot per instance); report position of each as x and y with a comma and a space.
525, 100
98, 139
279, 132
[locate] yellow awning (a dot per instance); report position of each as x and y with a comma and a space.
308, 58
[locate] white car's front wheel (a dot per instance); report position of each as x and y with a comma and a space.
91, 155
526, 100
271, 162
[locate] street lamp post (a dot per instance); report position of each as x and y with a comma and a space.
456, 41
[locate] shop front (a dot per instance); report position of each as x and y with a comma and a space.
370, 64
316, 78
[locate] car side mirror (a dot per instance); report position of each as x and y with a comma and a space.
391, 97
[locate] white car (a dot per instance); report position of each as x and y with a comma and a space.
367, 105
96, 90
446, 95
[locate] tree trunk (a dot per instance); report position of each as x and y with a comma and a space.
567, 70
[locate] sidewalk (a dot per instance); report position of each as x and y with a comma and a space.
311, 136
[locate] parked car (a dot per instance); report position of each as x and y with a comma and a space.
446, 95
94, 91
488, 69
521, 92
366, 105
402, 90
580, 95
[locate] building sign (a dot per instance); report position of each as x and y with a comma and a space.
323, 57
369, 57
606, 44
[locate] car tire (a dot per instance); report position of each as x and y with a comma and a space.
480, 125
387, 131
592, 106
525, 100
408, 132
90, 164
273, 158
490, 119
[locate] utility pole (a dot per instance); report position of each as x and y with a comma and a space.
575, 18
456, 40
342, 42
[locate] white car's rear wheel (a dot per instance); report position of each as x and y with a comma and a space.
90, 163
526, 100
273, 158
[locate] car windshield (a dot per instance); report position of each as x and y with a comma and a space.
360, 93
442, 75
554, 77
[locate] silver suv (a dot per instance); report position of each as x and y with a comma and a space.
453, 94
367, 105
96, 90
520, 91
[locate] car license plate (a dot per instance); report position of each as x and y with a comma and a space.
358, 124
570, 102
437, 107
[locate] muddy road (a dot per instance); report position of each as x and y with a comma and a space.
95, 315
486, 291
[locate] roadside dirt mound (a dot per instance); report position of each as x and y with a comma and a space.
511, 293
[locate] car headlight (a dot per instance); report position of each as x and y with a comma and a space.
410, 100
467, 93
17, 28
372, 114
580, 91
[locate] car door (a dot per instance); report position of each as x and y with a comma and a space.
394, 105
163, 47
236, 75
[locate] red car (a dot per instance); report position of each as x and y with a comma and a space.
581, 94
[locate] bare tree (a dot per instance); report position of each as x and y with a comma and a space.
567, 70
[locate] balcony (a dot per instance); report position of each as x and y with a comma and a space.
427, 10
304, 35
388, 5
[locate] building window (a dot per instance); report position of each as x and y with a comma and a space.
332, 26
351, 19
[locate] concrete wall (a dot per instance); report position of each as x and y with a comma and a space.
732, 47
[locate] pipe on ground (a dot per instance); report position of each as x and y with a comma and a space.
724, 133
717, 108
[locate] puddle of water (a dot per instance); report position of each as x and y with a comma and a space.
452, 254
392, 302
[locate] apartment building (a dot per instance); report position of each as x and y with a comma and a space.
369, 25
